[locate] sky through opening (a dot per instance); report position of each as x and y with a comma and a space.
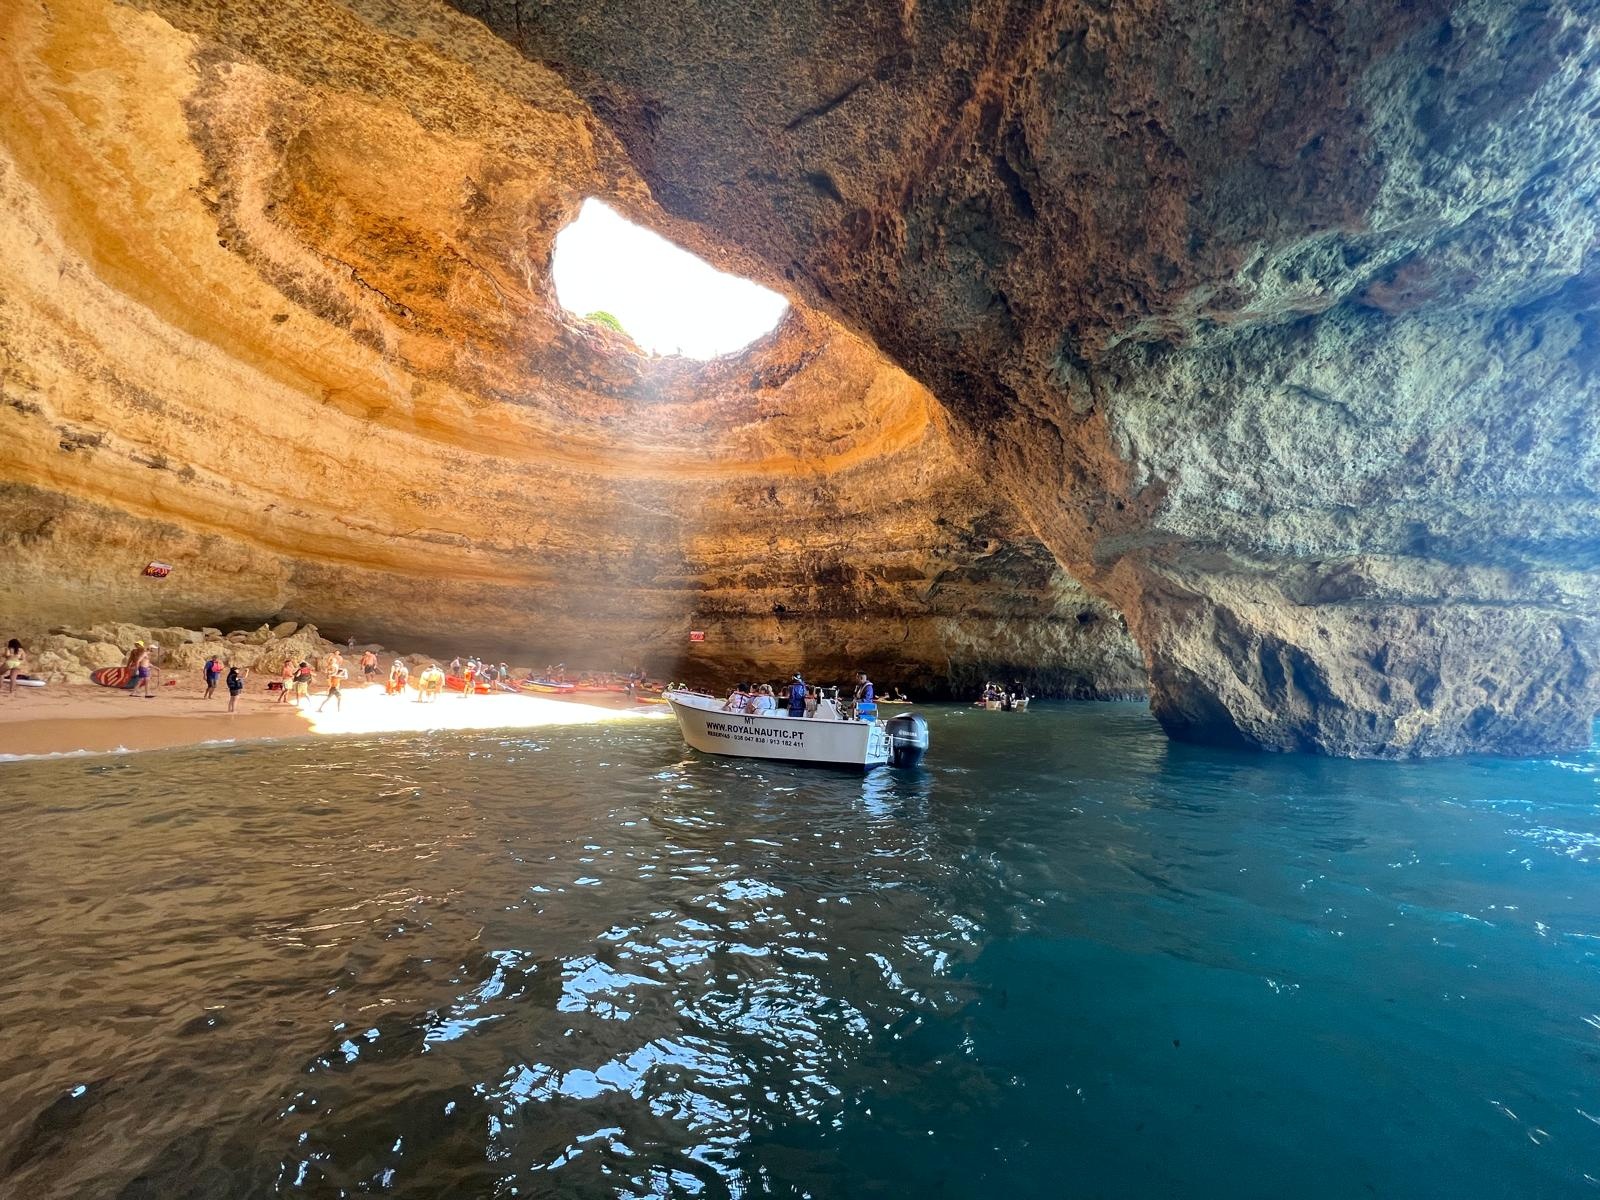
669, 301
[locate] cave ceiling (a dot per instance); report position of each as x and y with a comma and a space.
1276, 322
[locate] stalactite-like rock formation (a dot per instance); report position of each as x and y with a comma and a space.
275, 309
1277, 322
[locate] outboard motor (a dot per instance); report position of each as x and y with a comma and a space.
908, 740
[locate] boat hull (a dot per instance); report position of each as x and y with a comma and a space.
809, 740
547, 686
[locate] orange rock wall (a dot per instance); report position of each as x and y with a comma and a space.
274, 308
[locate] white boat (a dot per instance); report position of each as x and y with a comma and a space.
821, 740
1020, 704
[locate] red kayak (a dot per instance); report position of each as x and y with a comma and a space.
457, 684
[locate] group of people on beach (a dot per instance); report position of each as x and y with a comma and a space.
213, 671
475, 673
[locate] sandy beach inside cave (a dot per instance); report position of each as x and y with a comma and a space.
75, 719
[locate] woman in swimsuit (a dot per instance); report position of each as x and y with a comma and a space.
16, 659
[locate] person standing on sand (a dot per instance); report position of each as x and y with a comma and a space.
213, 673
398, 674
469, 678
236, 679
286, 681
16, 659
455, 665
141, 672
369, 667
430, 681
130, 663
335, 676
302, 683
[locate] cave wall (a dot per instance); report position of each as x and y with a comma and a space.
275, 309
1276, 322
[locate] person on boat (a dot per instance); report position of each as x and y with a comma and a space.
369, 666
286, 681
763, 702
797, 696
900, 696
866, 704
16, 659
213, 672
236, 678
738, 700
141, 671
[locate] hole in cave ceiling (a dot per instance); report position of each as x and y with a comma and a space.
608, 270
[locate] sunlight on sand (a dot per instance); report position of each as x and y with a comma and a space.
368, 710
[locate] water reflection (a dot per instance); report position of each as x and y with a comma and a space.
586, 963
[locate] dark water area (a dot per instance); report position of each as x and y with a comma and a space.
1066, 958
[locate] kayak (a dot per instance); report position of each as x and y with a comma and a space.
457, 684
559, 687
112, 677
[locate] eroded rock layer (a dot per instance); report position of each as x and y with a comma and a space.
275, 310
1277, 322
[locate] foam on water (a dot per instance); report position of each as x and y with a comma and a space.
1066, 958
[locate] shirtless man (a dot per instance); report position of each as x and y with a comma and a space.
336, 676
141, 672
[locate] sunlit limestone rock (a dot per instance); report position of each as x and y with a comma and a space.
1278, 323
275, 311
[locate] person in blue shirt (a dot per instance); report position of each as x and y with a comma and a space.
213, 673
866, 703
797, 697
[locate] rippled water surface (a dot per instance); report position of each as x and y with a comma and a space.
1064, 959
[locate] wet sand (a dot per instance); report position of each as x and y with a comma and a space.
69, 719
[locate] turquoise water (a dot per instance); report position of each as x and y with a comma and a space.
1065, 959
